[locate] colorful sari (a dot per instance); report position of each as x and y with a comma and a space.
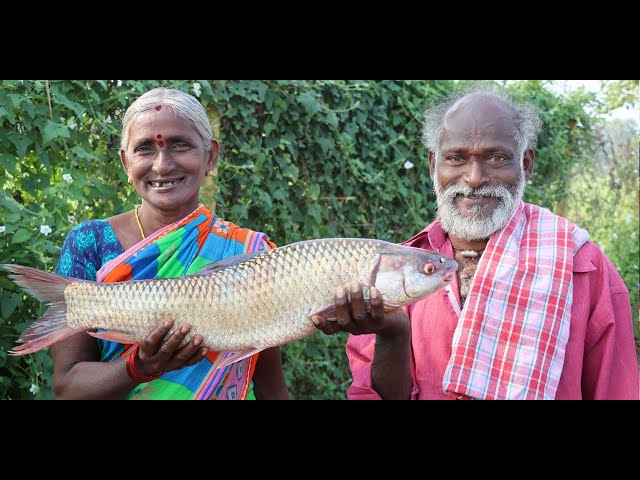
182, 248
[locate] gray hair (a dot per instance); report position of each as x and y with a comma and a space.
182, 104
527, 124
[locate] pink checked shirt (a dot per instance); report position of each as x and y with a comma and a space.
600, 358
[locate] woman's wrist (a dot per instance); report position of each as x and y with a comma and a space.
133, 372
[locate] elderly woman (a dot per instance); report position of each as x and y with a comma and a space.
167, 150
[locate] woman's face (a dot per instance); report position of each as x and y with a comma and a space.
166, 160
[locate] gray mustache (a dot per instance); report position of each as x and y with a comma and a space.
486, 191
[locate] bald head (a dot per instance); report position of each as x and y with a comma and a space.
487, 106
477, 115
482, 123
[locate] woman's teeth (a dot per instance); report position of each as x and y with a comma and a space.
163, 184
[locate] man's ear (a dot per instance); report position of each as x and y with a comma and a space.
432, 164
527, 163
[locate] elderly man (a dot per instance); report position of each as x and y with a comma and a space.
537, 311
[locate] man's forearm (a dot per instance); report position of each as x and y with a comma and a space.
391, 369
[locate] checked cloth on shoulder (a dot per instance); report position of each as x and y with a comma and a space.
513, 330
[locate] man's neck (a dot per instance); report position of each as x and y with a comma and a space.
459, 244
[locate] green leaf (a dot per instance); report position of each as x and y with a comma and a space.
326, 144
22, 235
54, 130
310, 104
314, 192
76, 107
44, 158
9, 303
332, 119
269, 127
21, 142
8, 114
82, 153
291, 171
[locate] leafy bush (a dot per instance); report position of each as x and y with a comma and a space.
301, 159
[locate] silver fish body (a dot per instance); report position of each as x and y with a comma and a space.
252, 301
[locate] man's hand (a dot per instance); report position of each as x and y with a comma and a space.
353, 317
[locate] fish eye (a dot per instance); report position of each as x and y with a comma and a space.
428, 268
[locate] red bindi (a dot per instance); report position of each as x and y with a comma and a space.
158, 136
158, 107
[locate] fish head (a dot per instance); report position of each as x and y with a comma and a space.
404, 275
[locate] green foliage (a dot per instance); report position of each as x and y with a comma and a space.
604, 198
620, 93
301, 159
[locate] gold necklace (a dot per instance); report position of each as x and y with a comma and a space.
139, 224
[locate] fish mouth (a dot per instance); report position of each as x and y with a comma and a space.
165, 182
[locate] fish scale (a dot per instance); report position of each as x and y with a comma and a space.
251, 302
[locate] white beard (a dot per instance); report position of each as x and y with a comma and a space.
477, 227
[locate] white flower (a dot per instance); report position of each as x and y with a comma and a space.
197, 88
2, 228
71, 218
67, 177
45, 230
118, 83
408, 165
72, 124
34, 389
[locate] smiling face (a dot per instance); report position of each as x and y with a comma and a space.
480, 172
166, 161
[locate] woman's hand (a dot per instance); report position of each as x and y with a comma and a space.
160, 352
352, 316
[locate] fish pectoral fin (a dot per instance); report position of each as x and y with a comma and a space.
328, 313
241, 355
227, 262
115, 336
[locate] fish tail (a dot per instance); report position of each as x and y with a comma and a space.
52, 326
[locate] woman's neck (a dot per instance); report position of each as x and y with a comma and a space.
153, 219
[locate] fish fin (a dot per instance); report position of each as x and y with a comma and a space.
328, 313
52, 326
227, 262
115, 336
241, 355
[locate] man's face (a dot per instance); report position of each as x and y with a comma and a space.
479, 175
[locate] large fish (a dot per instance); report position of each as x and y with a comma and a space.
242, 304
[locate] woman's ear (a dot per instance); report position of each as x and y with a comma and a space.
214, 153
123, 161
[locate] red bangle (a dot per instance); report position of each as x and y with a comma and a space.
133, 372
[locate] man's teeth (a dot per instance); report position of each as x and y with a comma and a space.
163, 184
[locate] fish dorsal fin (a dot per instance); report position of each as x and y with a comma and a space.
227, 262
